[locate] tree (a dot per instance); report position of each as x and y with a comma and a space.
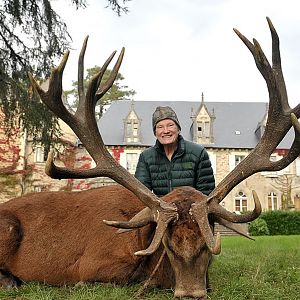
117, 7
116, 92
284, 184
32, 36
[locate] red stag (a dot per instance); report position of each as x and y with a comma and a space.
60, 237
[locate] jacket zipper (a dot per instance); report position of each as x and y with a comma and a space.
170, 179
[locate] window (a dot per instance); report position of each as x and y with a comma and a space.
135, 128
129, 128
235, 158
132, 127
213, 160
132, 130
238, 159
37, 188
203, 129
298, 166
297, 201
39, 155
241, 202
131, 162
273, 158
272, 201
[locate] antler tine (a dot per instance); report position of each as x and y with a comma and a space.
280, 119
81, 70
276, 64
113, 75
53, 96
84, 124
95, 82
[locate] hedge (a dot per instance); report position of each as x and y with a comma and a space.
278, 222
258, 227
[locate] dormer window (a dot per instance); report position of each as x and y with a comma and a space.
132, 131
203, 129
132, 127
202, 124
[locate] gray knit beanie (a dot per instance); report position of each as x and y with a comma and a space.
162, 113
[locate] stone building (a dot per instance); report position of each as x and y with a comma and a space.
228, 130
22, 164
12, 149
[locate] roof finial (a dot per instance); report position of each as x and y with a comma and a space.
132, 104
193, 116
202, 97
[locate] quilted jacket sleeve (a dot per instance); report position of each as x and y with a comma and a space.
205, 181
142, 172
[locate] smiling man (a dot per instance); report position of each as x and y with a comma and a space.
173, 161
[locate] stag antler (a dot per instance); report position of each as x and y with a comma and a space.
84, 124
280, 119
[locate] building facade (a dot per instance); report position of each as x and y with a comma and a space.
228, 130
22, 164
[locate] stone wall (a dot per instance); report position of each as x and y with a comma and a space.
26, 175
11, 162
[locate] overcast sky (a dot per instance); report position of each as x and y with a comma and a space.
177, 49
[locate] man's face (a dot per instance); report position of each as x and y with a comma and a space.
166, 131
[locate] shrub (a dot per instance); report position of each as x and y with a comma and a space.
258, 227
282, 222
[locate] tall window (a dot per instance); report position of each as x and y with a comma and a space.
39, 155
135, 128
131, 161
241, 202
297, 166
132, 130
272, 201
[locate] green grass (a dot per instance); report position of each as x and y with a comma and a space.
267, 269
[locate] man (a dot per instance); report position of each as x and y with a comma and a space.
173, 161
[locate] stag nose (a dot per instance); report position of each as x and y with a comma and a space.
192, 295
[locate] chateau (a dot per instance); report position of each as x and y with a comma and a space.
228, 130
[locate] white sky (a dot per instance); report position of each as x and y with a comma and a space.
177, 49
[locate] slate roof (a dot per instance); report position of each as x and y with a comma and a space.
230, 117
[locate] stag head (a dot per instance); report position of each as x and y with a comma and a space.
185, 217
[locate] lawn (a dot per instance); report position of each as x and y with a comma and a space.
267, 269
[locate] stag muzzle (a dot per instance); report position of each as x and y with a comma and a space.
190, 285
195, 294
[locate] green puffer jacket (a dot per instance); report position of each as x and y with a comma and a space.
190, 166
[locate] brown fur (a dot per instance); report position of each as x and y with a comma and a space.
60, 238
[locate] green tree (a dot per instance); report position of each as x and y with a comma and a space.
32, 36
115, 93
